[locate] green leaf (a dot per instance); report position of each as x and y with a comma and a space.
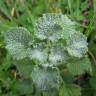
67, 77
53, 26
24, 68
58, 54
17, 50
79, 66
46, 79
17, 40
18, 35
23, 87
93, 78
93, 82
70, 90
38, 53
77, 45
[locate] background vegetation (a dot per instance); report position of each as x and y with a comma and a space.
24, 13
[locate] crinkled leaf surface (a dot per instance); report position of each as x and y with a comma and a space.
17, 34
79, 66
24, 67
38, 53
77, 45
46, 79
53, 26
70, 90
17, 50
58, 54
17, 40
23, 87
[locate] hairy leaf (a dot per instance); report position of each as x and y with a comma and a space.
24, 68
23, 87
58, 54
38, 53
17, 50
53, 26
17, 40
46, 79
17, 34
79, 66
70, 90
77, 45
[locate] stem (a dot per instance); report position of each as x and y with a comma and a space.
90, 53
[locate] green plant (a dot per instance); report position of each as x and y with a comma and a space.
56, 48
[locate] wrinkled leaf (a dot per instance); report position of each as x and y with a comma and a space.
17, 34
23, 87
17, 50
70, 90
46, 79
53, 26
79, 66
58, 55
38, 53
24, 68
17, 40
77, 45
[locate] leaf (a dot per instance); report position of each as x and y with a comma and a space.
93, 77
93, 82
17, 34
79, 66
23, 87
77, 45
17, 50
24, 68
38, 53
17, 40
53, 26
58, 54
70, 90
67, 76
7, 62
46, 79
